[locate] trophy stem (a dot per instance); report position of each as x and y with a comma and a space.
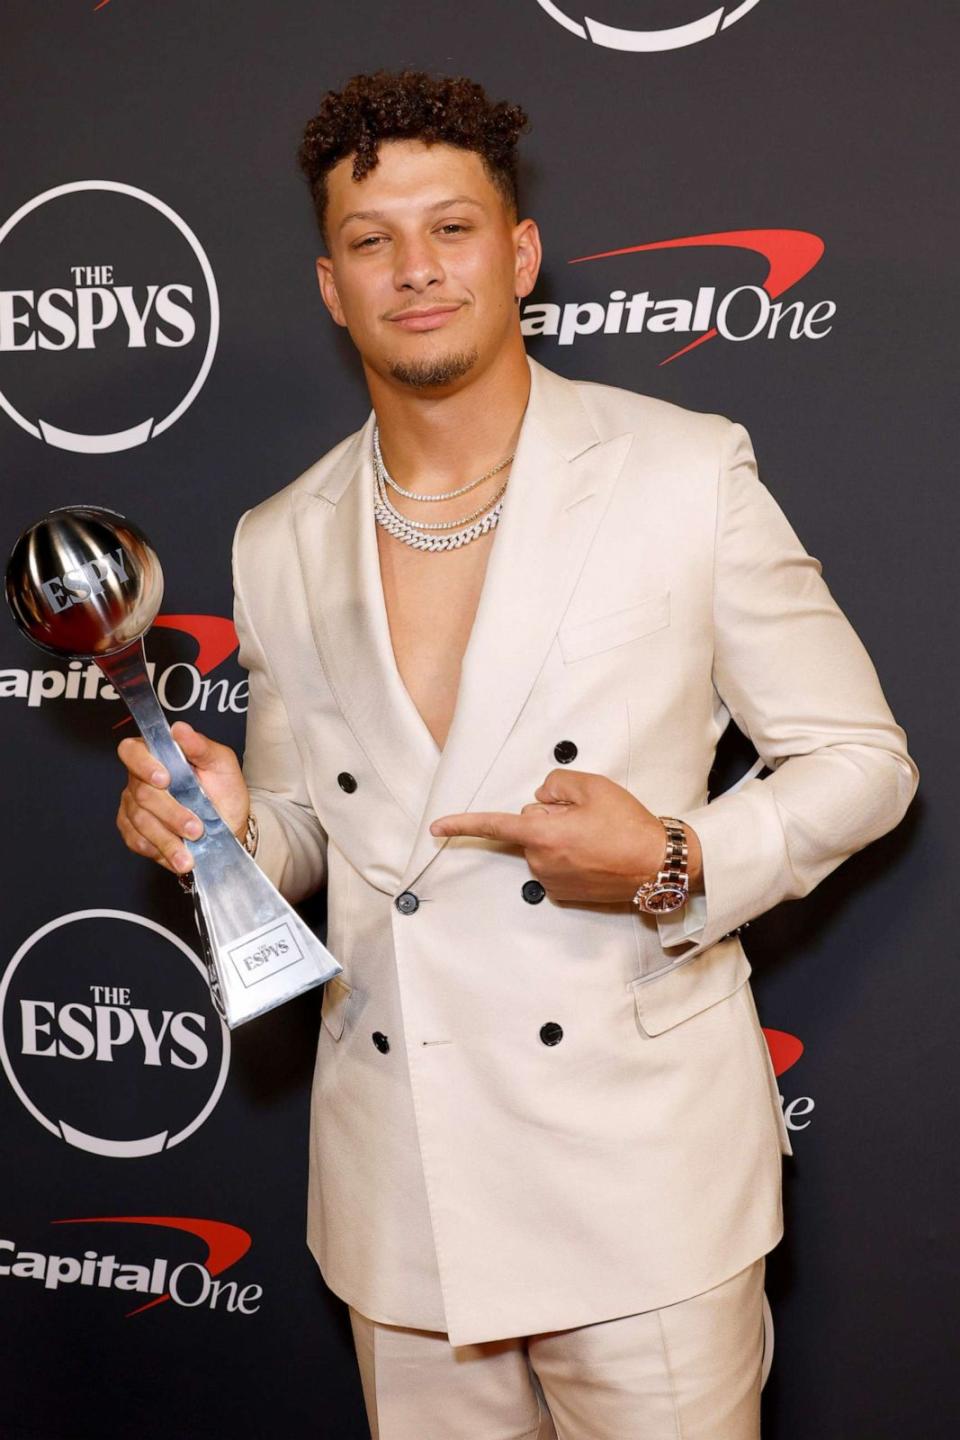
127, 671
259, 952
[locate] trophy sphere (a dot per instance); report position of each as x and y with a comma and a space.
84, 582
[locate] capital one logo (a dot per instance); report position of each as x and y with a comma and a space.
702, 26
108, 1034
738, 312
109, 317
785, 1050
190, 1283
182, 684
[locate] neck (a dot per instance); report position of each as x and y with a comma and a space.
432, 441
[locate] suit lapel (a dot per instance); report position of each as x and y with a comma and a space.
337, 549
560, 484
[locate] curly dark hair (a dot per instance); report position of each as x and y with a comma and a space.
409, 105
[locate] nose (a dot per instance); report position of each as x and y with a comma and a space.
417, 264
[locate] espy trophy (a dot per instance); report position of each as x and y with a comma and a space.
86, 583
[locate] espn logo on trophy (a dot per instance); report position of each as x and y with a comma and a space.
76, 586
265, 952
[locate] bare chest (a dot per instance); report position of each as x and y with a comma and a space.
431, 601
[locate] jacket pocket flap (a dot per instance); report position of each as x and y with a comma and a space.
669, 999
603, 632
333, 1010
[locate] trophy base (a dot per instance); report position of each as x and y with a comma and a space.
259, 968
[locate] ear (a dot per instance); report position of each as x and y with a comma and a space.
328, 288
528, 253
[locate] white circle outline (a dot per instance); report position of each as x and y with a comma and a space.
768, 1342
675, 38
68, 919
117, 187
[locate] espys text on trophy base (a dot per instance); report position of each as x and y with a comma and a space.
86, 583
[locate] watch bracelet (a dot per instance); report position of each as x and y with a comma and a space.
673, 870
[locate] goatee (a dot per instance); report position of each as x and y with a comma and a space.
433, 374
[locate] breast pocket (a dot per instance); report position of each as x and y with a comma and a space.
614, 627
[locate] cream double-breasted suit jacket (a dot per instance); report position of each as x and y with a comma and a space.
642, 588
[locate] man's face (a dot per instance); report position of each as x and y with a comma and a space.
425, 263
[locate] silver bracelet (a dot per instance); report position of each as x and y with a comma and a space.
251, 836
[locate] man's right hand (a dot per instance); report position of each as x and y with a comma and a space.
152, 822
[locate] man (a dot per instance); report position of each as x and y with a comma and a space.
545, 1138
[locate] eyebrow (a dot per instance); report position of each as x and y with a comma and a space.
380, 214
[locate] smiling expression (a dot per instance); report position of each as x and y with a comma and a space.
426, 262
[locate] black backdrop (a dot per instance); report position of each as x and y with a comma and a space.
800, 116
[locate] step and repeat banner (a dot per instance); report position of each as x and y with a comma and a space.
747, 209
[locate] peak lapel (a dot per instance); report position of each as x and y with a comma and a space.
337, 550
560, 484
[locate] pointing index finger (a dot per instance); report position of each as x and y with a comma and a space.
489, 825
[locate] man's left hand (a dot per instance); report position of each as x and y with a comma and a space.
585, 838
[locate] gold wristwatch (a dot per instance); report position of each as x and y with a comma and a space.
671, 889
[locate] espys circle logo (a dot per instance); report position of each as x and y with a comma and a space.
106, 297
109, 1036
651, 39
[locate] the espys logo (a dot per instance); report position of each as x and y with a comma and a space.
109, 316
109, 1036
189, 1283
181, 685
785, 1050
737, 312
700, 26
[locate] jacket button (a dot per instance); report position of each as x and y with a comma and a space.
532, 891
407, 902
565, 751
346, 782
381, 1041
551, 1033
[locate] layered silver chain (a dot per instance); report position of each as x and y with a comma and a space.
415, 532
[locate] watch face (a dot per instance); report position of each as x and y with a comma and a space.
664, 898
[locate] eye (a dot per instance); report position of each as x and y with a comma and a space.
453, 226
369, 242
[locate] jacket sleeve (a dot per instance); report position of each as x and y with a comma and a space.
292, 845
795, 677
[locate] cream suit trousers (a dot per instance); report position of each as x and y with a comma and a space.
689, 1371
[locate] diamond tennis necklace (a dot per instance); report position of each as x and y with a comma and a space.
419, 494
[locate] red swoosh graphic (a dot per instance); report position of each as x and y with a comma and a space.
790, 254
226, 1244
785, 1049
216, 636
216, 639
